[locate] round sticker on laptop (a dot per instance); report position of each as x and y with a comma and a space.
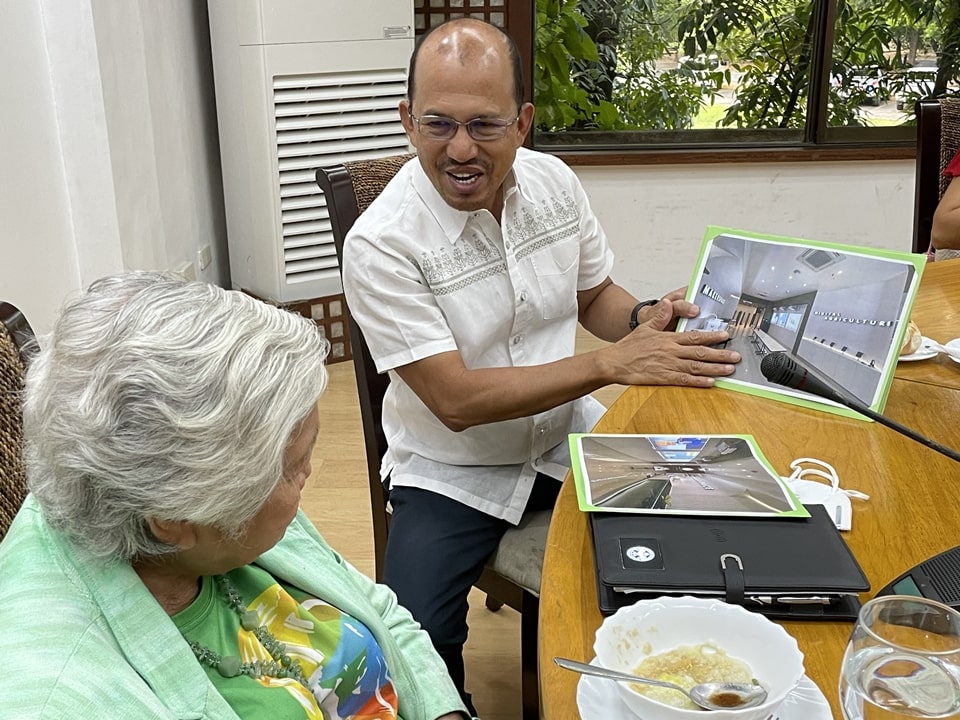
640, 553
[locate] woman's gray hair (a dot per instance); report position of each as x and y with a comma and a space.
159, 398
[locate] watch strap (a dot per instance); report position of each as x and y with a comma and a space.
634, 321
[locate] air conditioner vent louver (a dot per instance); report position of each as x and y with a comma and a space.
817, 259
324, 119
300, 86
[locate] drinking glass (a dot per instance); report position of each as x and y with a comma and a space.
902, 661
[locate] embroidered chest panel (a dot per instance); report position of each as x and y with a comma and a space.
475, 256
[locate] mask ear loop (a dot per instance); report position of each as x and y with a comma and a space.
829, 474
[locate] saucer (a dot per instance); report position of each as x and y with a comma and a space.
598, 699
924, 352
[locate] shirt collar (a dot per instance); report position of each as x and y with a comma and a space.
453, 221
512, 183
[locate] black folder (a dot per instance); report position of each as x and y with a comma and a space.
785, 568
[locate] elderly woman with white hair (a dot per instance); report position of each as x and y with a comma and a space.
160, 566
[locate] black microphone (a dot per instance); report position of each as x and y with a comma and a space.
781, 368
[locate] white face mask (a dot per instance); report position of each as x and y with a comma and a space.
814, 492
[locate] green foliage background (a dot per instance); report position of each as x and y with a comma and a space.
597, 60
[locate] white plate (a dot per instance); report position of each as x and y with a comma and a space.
598, 699
924, 352
955, 346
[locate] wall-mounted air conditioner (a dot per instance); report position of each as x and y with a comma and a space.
300, 84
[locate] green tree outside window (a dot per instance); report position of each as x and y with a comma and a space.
803, 71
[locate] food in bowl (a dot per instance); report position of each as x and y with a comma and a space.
653, 627
686, 666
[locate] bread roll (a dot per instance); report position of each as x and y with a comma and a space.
912, 339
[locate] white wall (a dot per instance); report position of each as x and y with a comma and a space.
38, 258
108, 146
157, 78
655, 216
110, 161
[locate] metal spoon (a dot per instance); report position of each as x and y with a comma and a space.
709, 696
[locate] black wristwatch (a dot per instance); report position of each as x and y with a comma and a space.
636, 311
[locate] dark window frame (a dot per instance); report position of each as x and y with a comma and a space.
816, 145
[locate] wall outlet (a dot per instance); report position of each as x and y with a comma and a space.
188, 271
204, 257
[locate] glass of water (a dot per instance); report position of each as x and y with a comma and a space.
902, 661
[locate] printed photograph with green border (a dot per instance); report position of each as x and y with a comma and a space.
678, 474
832, 313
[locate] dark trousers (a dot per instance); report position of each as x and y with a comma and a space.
436, 550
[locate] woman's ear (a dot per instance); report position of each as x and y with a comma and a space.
178, 533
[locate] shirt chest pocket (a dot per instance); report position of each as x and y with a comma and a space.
557, 269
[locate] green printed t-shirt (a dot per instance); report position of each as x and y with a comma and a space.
340, 658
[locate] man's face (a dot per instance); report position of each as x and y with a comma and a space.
467, 173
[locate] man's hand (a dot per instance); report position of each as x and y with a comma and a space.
653, 355
675, 307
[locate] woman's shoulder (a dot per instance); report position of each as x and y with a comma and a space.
42, 593
29, 556
60, 636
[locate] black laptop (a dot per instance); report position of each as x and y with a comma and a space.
785, 568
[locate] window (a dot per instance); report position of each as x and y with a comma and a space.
783, 76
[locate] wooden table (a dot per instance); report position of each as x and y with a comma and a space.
913, 513
937, 313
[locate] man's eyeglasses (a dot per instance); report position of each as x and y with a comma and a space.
438, 127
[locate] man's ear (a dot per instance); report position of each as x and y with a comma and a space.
525, 122
407, 121
178, 533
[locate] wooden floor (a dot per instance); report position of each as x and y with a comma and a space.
336, 499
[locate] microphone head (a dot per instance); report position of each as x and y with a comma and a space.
782, 368
778, 367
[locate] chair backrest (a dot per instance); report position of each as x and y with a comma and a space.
15, 336
349, 189
938, 139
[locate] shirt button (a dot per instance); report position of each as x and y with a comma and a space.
523, 296
517, 339
542, 431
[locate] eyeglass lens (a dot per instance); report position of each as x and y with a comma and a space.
443, 128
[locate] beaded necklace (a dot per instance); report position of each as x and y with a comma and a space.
281, 666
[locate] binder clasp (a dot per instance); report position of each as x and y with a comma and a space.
733, 580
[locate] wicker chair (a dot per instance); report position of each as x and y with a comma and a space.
938, 139
15, 335
512, 575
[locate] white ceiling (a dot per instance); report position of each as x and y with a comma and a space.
773, 271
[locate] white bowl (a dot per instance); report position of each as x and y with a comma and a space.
651, 627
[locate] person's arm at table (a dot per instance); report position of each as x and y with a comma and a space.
649, 355
945, 234
605, 310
